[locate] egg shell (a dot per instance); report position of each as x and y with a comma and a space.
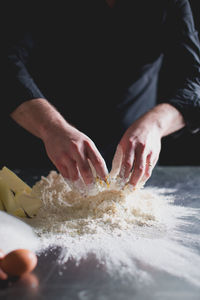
19, 262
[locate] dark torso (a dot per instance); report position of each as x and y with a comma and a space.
98, 65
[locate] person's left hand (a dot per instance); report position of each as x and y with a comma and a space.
140, 147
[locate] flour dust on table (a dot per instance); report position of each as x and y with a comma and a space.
129, 231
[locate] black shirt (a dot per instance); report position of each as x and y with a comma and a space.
100, 66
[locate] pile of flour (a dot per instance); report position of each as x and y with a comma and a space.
109, 210
128, 231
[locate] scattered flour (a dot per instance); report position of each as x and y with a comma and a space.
122, 228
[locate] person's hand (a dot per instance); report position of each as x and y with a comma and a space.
69, 150
140, 148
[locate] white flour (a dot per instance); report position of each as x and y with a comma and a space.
122, 229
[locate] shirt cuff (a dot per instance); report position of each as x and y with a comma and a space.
190, 111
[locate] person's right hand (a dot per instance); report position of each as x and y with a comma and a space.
69, 150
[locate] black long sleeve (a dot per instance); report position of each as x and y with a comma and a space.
111, 65
20, 85
181, 49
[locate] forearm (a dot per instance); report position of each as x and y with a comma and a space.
38, 116
165, 117
68, 148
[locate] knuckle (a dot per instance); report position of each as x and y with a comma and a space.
87, 143
128, 164
130, 143
150, 152
141, 145
140, 169
148, 174
74, 146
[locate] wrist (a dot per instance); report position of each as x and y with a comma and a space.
151, 121
165, 118
54, 126
40, 118
156, 122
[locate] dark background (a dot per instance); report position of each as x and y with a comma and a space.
28, 152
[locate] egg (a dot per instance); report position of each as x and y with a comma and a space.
3, 276
2, 254
18, 262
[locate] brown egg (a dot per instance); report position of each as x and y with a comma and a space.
3, 275
18, 262
2, 254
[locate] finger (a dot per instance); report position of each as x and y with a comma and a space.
97, 161
85, 170
139, 167
64, 171
61, 167
92, 168
117, 161
72, 169
148, 168
127, 162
